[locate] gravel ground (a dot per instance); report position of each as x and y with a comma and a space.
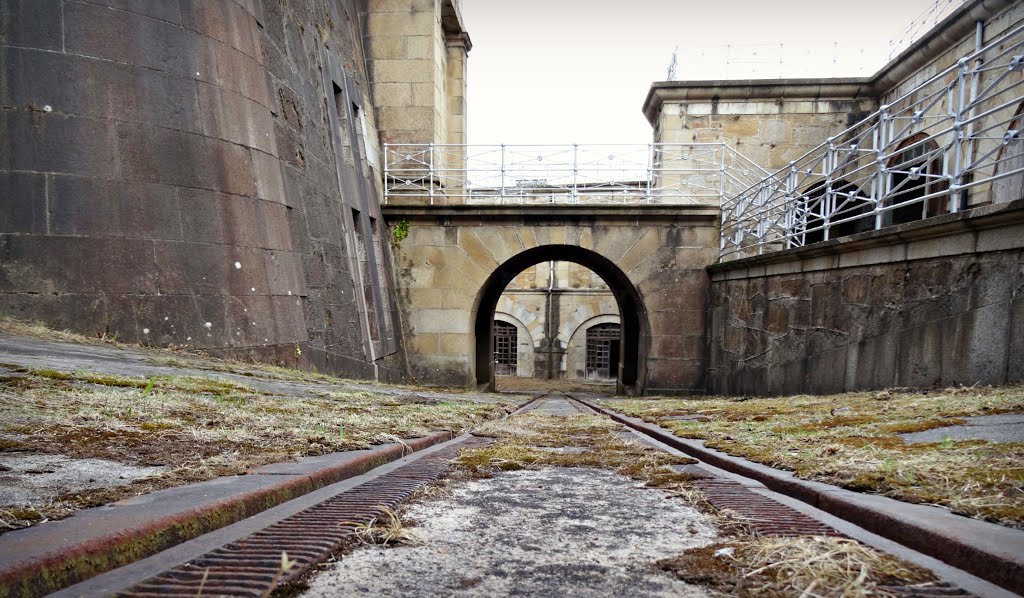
551, 532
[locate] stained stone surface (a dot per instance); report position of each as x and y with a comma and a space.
993, 428
552, 532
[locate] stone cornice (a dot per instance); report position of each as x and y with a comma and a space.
582, 213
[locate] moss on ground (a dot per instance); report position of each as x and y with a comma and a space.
852, 440
200, 428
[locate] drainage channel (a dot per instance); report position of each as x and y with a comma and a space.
769, 513
251, 564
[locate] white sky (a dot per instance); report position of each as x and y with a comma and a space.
577, 71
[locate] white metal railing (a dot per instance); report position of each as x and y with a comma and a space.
949, 143
661, 173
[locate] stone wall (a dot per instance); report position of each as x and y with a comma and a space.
198, 174
936, 302
770, 122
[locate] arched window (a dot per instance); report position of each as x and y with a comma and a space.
506, 345
1011, 158
603, 351
915, 172
845, 203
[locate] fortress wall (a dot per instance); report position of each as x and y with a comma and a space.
935, 302
182, 173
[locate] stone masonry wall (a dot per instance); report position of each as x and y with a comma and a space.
194, 173
939, 302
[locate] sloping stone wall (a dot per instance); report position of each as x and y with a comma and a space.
194, 173
937, 302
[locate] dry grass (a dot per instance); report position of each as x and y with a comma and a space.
851, 440
804, 566
199, 428
536, 440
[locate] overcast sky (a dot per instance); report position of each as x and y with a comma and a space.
577, 71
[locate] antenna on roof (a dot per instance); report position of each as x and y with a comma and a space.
673, 64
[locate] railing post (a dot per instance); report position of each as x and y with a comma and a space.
956, 172
430, 174
650, 172
387, 180
503, 174
721, 176
575, 171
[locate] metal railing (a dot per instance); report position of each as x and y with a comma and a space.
661, 173
949, 143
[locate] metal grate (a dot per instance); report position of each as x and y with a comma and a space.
602, 353
506, 342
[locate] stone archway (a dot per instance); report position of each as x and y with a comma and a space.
631, 309
456, 260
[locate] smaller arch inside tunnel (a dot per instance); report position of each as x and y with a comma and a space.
631, 372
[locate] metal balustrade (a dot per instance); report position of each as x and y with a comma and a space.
950, 143
661, 173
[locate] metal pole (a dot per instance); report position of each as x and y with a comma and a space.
387, 180
503, 173
575, 171
430, 180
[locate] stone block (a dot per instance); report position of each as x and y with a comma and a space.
54, 264
235, 118
31, 24
179, 158
92, 30
211, 217
84, 86
451, 321
826, 372
235, 71
983, 355
226, 22
1002, 238
788, 378
739, 127
947, 245
47, 142
885, 254
919, 362
205, 269
1015, 359
165, 10
103, 208
284, 274
776, 131
871, 363
402, 71
270, 185
23, 207
455, 344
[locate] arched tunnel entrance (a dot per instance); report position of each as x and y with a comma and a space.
631, 373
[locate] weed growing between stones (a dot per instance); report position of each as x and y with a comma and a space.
852, 440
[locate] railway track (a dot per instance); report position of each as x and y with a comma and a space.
249, 563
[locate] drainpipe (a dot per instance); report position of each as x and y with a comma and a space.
548, 321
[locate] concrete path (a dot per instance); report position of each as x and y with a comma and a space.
993, 428
548, 533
